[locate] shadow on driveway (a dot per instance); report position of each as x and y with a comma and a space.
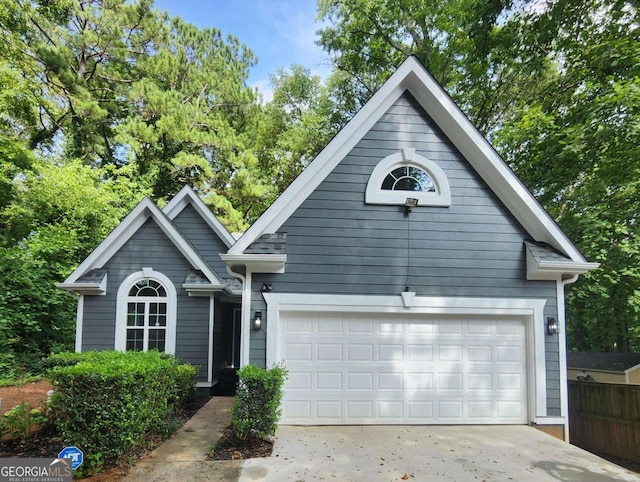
432, 453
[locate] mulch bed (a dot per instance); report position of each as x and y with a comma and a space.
228, 448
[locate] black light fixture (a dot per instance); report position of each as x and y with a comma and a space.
409, 204
266, 287
257, 320
552, 326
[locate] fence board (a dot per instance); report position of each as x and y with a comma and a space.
605, 418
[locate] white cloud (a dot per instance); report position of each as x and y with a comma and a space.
264, 88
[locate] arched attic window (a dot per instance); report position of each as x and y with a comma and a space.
406, 174
146, 313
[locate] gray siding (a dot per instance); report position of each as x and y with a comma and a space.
202, 238
474, 248
149, 247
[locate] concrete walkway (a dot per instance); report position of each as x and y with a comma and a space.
182, 457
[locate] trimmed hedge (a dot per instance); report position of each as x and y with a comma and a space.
108, 403
256, 410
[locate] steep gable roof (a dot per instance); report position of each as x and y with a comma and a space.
145, 210
187, 196
411, 76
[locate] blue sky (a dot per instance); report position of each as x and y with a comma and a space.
279, 32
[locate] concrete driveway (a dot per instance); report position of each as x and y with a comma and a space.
427, 453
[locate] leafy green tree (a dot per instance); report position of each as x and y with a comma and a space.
61, 211
296, 125
80, 57
193, 120
467, 45
576, 144
18, 115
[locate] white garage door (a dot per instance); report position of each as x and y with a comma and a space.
364, 369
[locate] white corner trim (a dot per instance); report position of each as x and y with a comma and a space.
127, 228
531, 311
79, 323
211, 328
374, 194
412, 76
187, 195
120, 342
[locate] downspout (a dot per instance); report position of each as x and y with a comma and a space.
562, 353
245, 314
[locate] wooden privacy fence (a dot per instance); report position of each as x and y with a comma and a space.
605, 418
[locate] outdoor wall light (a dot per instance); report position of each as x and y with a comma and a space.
266, 287
409, 204
257, 321
552, 326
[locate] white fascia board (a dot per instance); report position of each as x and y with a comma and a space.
114, 241
554, 270
412, 76
324, 163
196, 289
257, 263
487, 162
86, 288
127, 228
548, 270
186, 196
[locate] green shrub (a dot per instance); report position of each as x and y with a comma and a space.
185, 383
256, 410
19, 421
109, 403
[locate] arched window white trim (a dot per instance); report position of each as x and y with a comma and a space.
146, 309
440, 195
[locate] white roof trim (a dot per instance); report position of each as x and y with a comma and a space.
195, 289
127, 228
257, 263
86, 288
412, 76
186, 196
550, 270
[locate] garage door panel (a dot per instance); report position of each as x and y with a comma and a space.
359, 326
358, 369
329, 381
357, 352
298, 351
480, 353
420, 353
390, 352
329, 352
